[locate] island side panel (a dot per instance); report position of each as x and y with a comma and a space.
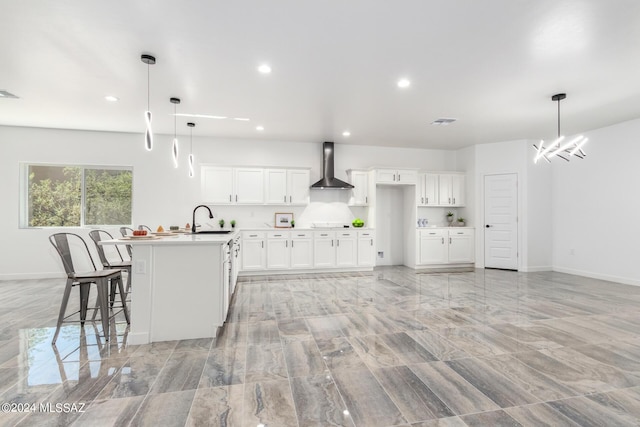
187, 291
141, 294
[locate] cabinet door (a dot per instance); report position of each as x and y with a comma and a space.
366, 249
386, 176
406, 177
216, 185
360, 192
324, 251
461, 246
346, 249
249, 185
275, 183
253, 254
301, 250
278, 253
457, 190
433, 247
298, 183
430, 192
444, 187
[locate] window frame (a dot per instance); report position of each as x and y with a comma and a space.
23, 216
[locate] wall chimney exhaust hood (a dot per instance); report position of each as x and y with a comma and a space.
328, 177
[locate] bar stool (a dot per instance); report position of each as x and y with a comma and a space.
119, 262
127, 231
63, 242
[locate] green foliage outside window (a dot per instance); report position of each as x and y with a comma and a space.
56, 196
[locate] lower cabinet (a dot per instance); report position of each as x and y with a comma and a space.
346, 248
278, 250
324, 250
253, 250
366, 249
301, 249
445, 246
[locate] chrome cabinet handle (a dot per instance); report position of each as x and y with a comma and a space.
286, 243
449, 200
292, 243
371, 242
338, 242
366, 199
443, 240
253, 235
262, 244
236, 197
285, 199
398, 177
230, 197
331, 243
449, 240
427, 200
289, 199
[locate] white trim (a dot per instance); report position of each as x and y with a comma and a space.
617, 279
536, 269
303, 271
32, 276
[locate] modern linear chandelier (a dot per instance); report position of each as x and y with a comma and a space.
191, 171
174, 148
558, 148
148, 136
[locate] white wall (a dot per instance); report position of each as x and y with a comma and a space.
164, 195
596, 207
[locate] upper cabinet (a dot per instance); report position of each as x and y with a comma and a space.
451, 190
396, 176
287, 186
360, 193
428, 190
254, 186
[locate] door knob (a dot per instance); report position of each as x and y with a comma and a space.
487, 226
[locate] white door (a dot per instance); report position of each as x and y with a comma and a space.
276, 186
501, 221
298, 186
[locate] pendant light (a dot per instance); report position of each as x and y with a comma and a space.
191, 171
559, 148
148, 136
174, 148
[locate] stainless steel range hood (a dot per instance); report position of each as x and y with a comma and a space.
328, 177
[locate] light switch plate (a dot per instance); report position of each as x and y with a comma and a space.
141, 267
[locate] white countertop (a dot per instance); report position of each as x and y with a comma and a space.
178, 239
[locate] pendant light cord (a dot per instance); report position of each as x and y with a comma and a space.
148, 88
558, 118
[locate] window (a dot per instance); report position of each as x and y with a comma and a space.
75, 196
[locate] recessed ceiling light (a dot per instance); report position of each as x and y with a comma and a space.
264, 69
404, 83
241, 119
112, 98
346, 133
259, 128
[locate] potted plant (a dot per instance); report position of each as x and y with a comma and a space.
461, 222
221, 222
449, 217
233, 223
293, 224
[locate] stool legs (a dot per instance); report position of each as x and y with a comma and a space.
103, 297
63, 308
123, 299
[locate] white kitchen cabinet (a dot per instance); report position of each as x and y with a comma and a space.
433, 247
236, 258
216, 185
287, 186
360, 192
227, 185
461, 246
451, 190
396, 176
366, 248
298, 185
428, 189
249, 185
278, 250
253, 250
324, 251
226, 282
446, 246
301, 249
346, 248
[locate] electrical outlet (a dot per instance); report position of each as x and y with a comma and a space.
380, 254
141, 267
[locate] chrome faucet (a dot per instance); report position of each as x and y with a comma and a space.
193, 223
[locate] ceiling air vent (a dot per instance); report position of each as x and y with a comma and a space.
443, 121
5, 94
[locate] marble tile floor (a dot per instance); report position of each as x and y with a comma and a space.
392, 348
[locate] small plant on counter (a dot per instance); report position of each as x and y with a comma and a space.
449, 217
449, 213
461, 221
233, 223
221, 222
293, 224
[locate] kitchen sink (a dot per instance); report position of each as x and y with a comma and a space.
213, 232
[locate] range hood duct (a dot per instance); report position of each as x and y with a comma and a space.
328, 177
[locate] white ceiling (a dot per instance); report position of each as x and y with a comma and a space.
493, 64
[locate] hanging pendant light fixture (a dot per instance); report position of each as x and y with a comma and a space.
148, 136
559, 148
174, 148
191, 171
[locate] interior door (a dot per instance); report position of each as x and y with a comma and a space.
501, 221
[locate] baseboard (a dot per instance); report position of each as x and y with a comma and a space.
617, 279
536, 269
32, 276
306, 271
138, 338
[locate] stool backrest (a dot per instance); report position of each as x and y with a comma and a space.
99, 235
126, 231
63, 242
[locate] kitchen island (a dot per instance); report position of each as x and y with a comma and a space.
181, 286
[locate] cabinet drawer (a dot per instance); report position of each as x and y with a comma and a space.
366, 234
433, 233
253, 235
277, 235
346, 234
465, 232
324, 234
301, 235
